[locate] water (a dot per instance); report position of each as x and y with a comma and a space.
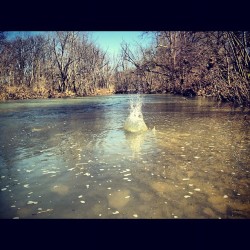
135, 121
72, 158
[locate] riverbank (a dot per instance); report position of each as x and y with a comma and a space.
22, 93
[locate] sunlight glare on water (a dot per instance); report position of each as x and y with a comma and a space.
72, 158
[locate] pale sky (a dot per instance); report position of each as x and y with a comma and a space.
111, 40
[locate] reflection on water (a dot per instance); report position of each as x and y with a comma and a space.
135, 141
72, 159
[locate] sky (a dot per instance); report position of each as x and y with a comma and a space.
111, 40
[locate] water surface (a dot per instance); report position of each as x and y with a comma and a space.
71, 158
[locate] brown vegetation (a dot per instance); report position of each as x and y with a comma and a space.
61, 64
191, 63
56, 64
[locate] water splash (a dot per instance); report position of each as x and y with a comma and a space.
135, 122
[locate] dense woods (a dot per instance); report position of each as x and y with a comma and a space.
54, 64
58, 64
193, 63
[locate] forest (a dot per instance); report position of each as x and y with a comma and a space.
69, 63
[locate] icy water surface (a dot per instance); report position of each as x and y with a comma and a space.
71, 158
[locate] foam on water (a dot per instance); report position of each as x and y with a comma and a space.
135, 122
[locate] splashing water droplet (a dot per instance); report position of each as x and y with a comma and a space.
135, 122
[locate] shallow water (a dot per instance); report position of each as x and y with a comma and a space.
71, 158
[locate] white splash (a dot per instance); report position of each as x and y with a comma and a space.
135, 122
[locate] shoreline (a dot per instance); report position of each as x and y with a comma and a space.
21, 93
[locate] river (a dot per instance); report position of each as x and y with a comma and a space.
71, 158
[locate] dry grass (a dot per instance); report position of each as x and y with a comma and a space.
22, 92
105, 91
40, 91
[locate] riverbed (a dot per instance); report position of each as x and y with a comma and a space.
72, 158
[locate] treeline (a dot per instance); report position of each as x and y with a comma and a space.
191, 63
55, 64
52, 64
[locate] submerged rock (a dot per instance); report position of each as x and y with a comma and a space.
118, 199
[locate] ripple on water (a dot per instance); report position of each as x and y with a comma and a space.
90, 158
